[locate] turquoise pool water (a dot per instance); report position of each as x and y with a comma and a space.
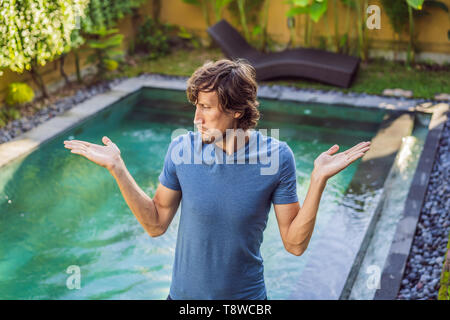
58, 209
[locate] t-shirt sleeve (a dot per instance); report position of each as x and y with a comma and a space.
168, 176
286, 190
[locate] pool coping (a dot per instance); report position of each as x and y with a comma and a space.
399, 251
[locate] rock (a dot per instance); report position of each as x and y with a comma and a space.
398, 93
442, 97
419, 285
439, 260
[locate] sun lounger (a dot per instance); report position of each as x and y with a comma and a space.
324, 66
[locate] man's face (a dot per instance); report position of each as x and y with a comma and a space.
210, 120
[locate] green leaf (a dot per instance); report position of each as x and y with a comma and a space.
256, 30
318, 9
297, 10
301, 3
115, 53
416, 4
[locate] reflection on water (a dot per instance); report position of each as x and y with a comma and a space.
396, 191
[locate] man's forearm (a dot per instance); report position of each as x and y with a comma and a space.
140, 204
301, 228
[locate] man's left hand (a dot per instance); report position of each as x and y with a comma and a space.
328, 163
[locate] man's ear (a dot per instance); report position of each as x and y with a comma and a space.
237, 115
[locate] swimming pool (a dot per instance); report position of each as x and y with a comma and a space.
59, 209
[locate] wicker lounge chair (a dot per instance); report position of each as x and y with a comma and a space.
328, 67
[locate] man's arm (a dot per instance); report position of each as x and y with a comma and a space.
155, 214
297, 224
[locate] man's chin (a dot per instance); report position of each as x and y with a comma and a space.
207, 139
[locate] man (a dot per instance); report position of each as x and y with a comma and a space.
218, 176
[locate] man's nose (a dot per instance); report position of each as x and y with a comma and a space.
198, 119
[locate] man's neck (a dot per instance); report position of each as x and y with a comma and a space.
231, 143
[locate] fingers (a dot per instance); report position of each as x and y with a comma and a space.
81, 152
77, 142
357, 147
362, 150
106, 140
354, 157
77, 146
333, 149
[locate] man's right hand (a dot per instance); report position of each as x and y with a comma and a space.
107, 156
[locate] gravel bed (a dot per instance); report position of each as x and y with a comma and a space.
423, 268
16, 127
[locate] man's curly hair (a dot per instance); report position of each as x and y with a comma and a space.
235, 85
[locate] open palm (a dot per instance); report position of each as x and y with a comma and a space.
105, 156
328, 163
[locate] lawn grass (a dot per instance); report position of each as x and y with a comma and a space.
444, 291
372, 78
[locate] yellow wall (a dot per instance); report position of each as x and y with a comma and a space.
431, 32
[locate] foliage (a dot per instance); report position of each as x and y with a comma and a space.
104, 14
106, 47
19, 93
315, 9
157, 39
218, 7
152, 38
110, 64
7, 114
403, 13
312, 10
101, 15
252, 16
188, 39
397, 12
36, 30
33, 32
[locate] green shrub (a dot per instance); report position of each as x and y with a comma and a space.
158, 39
7, 114
110, 64
152, 38
106, 46
19, 93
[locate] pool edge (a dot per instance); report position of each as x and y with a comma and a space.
32, 139
400, 248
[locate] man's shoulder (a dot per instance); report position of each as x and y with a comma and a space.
185, 137
273, 142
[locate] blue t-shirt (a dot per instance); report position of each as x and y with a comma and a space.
224, 210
